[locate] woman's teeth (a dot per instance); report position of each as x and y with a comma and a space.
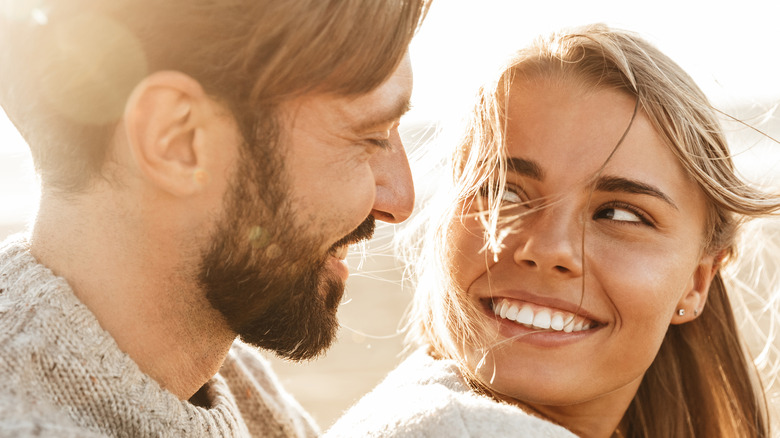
541, 318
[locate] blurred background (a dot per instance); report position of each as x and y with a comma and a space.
730, 48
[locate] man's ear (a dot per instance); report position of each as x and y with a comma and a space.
165, 119
692, 302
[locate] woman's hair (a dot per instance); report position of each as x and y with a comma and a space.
701, 383
68, 67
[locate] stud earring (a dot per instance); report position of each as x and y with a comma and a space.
201, 176
695, 312
681, 312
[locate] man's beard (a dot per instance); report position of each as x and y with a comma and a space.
268, 279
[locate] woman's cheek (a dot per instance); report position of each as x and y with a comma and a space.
643, 284
464, 254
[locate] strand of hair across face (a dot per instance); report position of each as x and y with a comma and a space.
590, 195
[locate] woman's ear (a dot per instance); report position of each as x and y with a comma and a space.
692, 302
165, 121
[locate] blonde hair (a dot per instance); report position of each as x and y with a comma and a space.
701, 383
64, 82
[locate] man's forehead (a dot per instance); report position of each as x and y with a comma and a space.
361, 113
382, 105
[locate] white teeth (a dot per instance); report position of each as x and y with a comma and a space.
542, 319
525, 316
569, 325
497, 308
504, 309
511, 313
557, 322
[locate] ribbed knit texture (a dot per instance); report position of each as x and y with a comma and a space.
63, 375
428, 398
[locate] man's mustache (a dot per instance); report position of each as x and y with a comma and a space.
364, 231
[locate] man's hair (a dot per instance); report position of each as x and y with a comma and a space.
68, 67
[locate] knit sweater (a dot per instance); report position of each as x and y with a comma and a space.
63, 375
428, 398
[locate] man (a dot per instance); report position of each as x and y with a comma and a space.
204, 166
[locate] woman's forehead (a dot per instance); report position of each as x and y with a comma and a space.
569, 134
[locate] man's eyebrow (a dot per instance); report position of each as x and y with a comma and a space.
522, 166
619, 184
401, 107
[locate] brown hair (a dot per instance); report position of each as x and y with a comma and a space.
701, 383
64, 79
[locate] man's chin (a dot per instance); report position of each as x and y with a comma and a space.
300, 330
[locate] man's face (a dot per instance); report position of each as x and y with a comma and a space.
274, 266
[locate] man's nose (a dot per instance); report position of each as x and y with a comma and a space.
394, 199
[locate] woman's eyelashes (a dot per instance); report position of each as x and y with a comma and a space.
622, 212
619, 212
512, 194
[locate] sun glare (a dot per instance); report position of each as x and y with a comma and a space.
463, 42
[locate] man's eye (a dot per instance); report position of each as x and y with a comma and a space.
381, 143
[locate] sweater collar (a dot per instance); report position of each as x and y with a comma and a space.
79, 363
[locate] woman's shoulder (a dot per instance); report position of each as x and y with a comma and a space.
426, 397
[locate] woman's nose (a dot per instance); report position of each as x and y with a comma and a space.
550, 240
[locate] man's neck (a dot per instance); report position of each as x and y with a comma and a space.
139, 283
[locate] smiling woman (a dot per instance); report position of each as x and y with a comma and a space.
575, 274
643, 221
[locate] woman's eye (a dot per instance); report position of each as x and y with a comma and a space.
619, 214
510, 196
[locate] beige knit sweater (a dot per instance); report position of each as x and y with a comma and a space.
63, 375
428, 398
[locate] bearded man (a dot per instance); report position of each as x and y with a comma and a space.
204, 165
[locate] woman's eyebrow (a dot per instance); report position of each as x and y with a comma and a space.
522, 166
620, 184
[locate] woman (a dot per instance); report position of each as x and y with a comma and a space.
574, 283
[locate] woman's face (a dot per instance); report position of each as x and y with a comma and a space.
643, 222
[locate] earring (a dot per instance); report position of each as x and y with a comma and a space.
695, 312
200, 176
681, 312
